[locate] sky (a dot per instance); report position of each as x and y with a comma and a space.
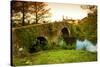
58, 10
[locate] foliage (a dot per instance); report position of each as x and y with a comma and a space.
36, 9
39, 11
19, 6
86, 27
64, 45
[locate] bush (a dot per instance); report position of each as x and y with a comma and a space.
40, 43
62, 44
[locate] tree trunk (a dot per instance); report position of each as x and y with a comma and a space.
23, 23
36, 18
11, 15
36, 13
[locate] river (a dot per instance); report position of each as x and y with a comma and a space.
86, 44
82, 45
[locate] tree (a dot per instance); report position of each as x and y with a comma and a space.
39, 10
92, 9
20, 6
89, 23
92, 13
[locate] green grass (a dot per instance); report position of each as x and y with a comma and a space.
56, 56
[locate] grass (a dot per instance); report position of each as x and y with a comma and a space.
55, 57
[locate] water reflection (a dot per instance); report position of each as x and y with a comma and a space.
86, 45
81, 44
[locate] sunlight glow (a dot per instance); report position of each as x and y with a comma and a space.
67, 10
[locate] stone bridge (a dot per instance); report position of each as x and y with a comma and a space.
24, 36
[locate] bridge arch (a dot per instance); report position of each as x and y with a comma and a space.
41, 40
66, 36
40, 43
65, 32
